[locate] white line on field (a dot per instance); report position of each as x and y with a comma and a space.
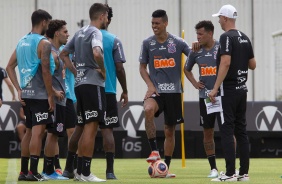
12, 172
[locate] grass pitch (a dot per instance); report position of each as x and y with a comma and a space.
134, 171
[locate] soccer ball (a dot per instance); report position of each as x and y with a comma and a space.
158, 169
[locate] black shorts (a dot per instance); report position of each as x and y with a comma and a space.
36, 112
91, 104
206, 120
71, 117
112, 119
171, 105
59, 121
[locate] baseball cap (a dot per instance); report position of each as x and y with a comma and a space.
227, 11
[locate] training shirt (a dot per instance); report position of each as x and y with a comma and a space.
82, 43
239, 47
113, 53
58, 82
30, 69
3, 75
206, 60
164, 60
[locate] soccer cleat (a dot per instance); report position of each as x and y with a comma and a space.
22, 177
223, 178
91, 178
244, 177
111, 176
45, 176
213, 173
68, 174
154, 156
76, 176
169, 175
34, 177
59, 171
56, 176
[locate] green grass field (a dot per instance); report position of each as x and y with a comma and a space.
134, 171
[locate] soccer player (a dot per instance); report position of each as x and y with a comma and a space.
206, 60
58, 36
90, 83
114, 59
162, 53
4, 77
235, 55
35, 64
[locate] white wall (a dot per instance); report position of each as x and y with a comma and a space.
132, 23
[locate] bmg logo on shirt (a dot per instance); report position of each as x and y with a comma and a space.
8, 118
164, 63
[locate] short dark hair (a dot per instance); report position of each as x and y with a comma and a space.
96, 10
110, 12
160, 14
207, 24
38, 16
54, 26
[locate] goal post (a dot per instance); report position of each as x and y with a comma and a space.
277, 40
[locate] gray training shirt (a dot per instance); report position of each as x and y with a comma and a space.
164, 61
206, 60
82, 43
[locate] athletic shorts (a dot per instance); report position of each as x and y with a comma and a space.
59, 121
91, 104
206, 120
112, 119
71, 117
37, 113
171, 105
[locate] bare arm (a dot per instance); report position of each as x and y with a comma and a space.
145, 75
191, 78
122, 80
99, 58
252, 64
222, 72
64, 55
44, 50
12, 73
11, 88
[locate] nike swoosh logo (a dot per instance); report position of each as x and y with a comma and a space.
153, 49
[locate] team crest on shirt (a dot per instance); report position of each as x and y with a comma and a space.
152, 42
171, 48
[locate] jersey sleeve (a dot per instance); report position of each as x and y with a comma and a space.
144, 54
97, 39
4, 73
69, 47
225, 45
118, 53
186, 49
251, 51
190, 62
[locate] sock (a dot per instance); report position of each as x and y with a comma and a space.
153, 144
24, 165
86, 164
34, 159
110, 162
75, 161
167, 160
44, 164
70, 161
57, 162
79, 165
49, 165
212, 162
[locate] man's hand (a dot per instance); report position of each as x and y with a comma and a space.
60, 95
151, 90
212, 95
123, 99
196, 46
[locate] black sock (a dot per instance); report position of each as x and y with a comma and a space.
79, 165
24, 165
34, 159
57, 162
153, 144
110, 162
49, 167
86, 164
75, 161
70, 161
167, 160
212, 162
